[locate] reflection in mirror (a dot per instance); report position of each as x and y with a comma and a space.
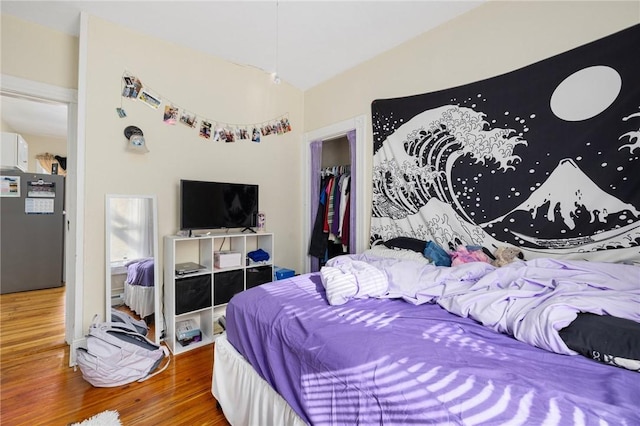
132, 259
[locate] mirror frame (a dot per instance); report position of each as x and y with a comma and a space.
156, 277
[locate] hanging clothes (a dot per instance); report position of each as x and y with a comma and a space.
345, 201
319, 238
328, 216
332, 224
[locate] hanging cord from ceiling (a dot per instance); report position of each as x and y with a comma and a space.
275, 76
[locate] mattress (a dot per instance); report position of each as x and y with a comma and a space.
386, 361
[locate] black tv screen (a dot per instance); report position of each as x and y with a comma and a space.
212, 205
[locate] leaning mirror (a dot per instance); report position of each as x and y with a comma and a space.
132, 282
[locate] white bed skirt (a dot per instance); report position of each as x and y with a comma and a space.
245, 397
139, 299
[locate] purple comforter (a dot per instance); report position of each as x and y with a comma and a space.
530, 300
140, 272
386, 361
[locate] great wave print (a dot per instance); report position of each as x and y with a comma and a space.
544, 158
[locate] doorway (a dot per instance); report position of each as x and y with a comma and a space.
329, 135
35, 91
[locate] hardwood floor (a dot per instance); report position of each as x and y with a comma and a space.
38, 388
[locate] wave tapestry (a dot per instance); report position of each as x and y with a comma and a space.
545, 158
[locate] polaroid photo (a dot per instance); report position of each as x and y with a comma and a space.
205, 129
229, 135
170, 114
188, 119
218, 134
121, 112
132, 87
243, 134
255, 135
152, 100
286, 125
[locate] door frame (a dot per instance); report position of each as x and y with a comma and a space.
74, 198
326, 133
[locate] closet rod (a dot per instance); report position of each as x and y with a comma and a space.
336, 170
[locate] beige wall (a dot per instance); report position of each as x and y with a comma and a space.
207, 86
493, 39
41, 145
34, 52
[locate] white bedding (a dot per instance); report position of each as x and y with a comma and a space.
530, 300
248, 399
383, 251
139, 299
352, 280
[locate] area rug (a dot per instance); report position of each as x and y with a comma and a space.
106, 418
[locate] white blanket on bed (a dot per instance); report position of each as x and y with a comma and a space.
352, 279
530, 300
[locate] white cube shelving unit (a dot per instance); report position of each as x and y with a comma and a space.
203, 295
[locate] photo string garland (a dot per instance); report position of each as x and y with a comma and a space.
218, 131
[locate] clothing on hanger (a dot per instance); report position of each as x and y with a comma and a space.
330, 235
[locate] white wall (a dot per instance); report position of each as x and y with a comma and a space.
495, 38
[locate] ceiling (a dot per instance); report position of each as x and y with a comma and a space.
33, 117
304, 42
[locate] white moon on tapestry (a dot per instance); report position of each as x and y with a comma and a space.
586, 93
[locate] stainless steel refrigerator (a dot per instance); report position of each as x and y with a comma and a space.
31, 230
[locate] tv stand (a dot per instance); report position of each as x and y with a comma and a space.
248, 229
219, 284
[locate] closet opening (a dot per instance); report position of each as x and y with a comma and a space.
337, 149
330, 236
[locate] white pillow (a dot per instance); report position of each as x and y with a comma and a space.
382, 251
345, 279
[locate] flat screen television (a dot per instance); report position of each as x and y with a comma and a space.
213, 205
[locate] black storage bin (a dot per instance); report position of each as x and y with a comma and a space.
193, 293
259, 275
226, 284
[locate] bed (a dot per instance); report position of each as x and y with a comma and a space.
139, 286
431, 348
499, 163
